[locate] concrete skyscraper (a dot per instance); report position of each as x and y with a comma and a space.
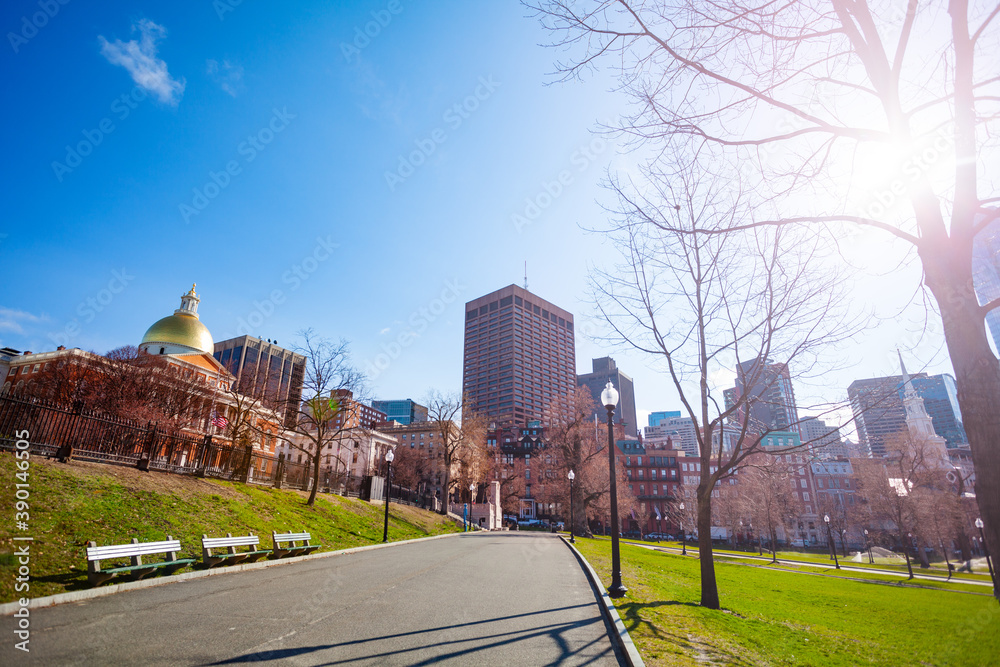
606, 370
520, 356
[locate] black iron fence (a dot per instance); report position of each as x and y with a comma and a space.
65, 432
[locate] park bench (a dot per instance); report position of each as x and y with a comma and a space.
231, 556
290, 539
134, 552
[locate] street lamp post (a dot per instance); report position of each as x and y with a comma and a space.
389, 456
829, 533
468, 507
989, 561
609, 398
868, 544
684, 551
572, 517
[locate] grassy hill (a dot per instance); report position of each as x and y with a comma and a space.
76, 502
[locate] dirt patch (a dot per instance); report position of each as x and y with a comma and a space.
153, 481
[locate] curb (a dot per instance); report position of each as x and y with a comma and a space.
620, 637
9, 608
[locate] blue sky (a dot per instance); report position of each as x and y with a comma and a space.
253, 160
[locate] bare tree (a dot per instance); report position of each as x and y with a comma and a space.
576, 443
331, 392
459, 431
765, 484
701, 303
869, 116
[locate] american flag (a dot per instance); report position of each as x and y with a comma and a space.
219, 420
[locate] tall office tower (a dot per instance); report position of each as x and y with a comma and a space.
655, 418
823, 439
520, 356
264, 369
405, 411
940, 396
986, 272
877, 404
772, 400
606, 370
679, 430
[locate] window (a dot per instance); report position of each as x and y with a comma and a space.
805, 496
802, 483
819, 483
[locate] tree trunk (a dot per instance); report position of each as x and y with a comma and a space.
445, 484
315, 478
977, 374
709, 587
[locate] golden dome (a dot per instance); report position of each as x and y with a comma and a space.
181, 329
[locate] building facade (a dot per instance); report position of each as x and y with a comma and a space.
263, 369
878, 411
605, 370
519, 361
769, 397
673, 432
404, 411
654, 479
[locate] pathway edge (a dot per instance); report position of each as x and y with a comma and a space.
620, 635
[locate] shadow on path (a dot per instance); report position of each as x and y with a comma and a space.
483, 642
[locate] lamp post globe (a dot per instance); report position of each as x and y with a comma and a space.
609, 398
389, 456
684, 551
572, 516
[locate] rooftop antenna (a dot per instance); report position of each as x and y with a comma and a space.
525, 275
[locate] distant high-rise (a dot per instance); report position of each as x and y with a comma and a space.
940, 396
655, 418
678, 430
404, 411
606, 370
825, 440
772, 400
520, 356
879, 411
264, 369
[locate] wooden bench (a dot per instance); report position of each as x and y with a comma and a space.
232, 556
292, 549
134, 552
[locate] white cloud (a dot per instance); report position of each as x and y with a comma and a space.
226, 75
11, 320
384, 331
139, 58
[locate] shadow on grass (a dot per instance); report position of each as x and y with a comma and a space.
636, 615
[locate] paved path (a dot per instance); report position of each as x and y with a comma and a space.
844, 565
475, 599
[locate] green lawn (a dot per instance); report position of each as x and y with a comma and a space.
73, 503
776, 618
937, 568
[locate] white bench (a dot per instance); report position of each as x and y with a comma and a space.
134, 552
292, 549
232, 556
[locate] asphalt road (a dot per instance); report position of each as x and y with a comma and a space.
475, 599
